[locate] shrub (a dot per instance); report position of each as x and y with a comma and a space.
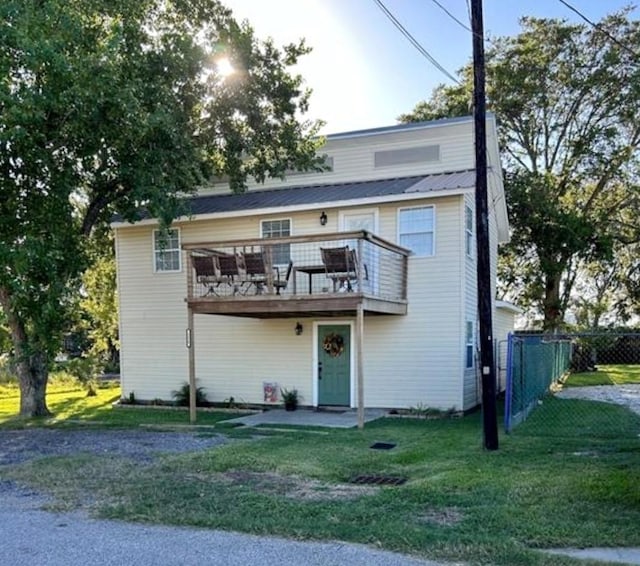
181, 396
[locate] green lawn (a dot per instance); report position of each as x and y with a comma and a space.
460, 503
71, 405
606, 375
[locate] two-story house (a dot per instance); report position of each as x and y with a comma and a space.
355, 286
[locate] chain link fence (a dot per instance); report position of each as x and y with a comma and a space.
574, 385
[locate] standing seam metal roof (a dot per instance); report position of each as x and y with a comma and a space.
320, 194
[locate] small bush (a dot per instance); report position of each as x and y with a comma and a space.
181, 396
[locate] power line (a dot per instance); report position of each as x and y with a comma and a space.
414, 41
465, 26
601, 29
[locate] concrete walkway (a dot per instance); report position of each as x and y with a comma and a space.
308, 417
609, 555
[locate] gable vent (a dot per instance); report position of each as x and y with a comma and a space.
328, 162
423, 154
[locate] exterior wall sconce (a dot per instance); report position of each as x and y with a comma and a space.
323, 218
298, 329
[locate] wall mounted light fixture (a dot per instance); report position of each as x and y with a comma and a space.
298, 329
323, 218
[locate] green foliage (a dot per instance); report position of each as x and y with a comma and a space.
118, 107
181, 396
87, 371
608, 374
566, 99
290, 398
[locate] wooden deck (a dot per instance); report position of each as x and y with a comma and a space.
274, 306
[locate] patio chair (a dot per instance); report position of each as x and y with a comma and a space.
341, 266
254, 268
227, 271
205, 272
279, 283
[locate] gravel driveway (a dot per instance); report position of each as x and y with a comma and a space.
32, 536
18, 446
625, 395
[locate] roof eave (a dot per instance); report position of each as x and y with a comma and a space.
385, 199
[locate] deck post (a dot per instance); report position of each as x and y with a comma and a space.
359, 362
192, 366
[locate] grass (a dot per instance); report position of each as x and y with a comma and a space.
611, 374
460, 503
69, 403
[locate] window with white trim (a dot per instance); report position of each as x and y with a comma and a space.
468, 230
468, 345
166, 250
416, 230
281, 253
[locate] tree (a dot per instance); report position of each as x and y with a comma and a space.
111, 106
566, 99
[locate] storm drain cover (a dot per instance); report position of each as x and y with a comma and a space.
364, 479
382, 445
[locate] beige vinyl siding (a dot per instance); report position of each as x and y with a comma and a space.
354, 157
471, 388
414, 358
153, 318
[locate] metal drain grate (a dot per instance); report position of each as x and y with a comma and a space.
378, 480
382, 446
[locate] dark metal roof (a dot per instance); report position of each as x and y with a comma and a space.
321, 194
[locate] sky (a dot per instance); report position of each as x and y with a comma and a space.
363, 72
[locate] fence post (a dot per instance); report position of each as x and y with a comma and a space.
509, 385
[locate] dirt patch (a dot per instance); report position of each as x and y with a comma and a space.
447, 517
295, 487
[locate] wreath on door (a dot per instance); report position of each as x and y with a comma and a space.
333, 344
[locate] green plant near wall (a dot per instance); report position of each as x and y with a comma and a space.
181, 396
290, 398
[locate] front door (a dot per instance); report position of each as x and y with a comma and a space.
334, 364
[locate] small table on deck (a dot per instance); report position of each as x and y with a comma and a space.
310, 270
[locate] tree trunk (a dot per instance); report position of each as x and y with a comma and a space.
33, 375
551, 303
31, 364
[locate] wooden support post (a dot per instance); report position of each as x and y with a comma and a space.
192, 366
359, 362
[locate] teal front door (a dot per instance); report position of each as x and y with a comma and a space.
334, 364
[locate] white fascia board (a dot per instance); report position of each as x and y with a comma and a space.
507, 306
305, 207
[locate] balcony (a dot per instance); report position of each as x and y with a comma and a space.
315, 276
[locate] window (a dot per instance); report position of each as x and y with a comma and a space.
278, 229
468, 230
166, 250
416, 229
468, 339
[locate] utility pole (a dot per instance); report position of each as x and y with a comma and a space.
489, 412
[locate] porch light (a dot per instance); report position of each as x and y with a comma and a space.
323, 218
298, 329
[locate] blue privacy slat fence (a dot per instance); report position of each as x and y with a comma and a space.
535, 363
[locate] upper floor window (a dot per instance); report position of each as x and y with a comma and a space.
278, 229
416, 229
166, 250
468, 230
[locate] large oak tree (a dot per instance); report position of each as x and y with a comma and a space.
113, 106
566, 99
